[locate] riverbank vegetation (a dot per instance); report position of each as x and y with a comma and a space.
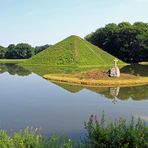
118, 133
20, 51
128, 42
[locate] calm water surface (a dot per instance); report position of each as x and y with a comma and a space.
26, 99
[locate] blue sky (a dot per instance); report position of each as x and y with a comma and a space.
40, 22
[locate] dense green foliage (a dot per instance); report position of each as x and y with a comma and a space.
117, 134
13, 69
2, 52
126, 41
20, 51
73, 51
30, 138
41, 48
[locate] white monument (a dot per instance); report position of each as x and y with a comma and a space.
115, 71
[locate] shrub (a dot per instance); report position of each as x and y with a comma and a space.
32, 138
117, 134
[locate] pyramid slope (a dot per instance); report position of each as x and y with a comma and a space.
73, 51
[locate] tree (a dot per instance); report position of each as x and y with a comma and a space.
41, 48
24, 51
11, 52
125, 41
124, 24
2, 52
19, 51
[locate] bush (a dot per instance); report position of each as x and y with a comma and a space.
32, 138
117, 134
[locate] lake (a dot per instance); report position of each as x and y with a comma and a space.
26, 99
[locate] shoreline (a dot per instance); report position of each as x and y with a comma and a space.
96, 83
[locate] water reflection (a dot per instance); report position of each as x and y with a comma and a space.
114, 93
33, 101
135, 69
14, 69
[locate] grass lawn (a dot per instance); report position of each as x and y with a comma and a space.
12, 60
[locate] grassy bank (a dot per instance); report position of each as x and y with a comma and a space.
116, 134
126, 81
12, 60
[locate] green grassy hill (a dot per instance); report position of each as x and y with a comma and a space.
73, 51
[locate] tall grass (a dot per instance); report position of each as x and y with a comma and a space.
117, 134
32, 138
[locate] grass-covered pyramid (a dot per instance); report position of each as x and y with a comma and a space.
72, 51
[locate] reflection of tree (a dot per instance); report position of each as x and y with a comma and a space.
134, 92
135, 69
13, 69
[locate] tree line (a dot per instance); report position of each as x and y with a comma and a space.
20, 51
128, 42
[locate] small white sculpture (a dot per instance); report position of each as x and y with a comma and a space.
115, 71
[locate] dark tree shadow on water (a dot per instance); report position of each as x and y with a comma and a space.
14, 69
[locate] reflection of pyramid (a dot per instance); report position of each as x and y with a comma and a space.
99, 90
70, 88
122, 93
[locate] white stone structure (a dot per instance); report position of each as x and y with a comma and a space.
115, 71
